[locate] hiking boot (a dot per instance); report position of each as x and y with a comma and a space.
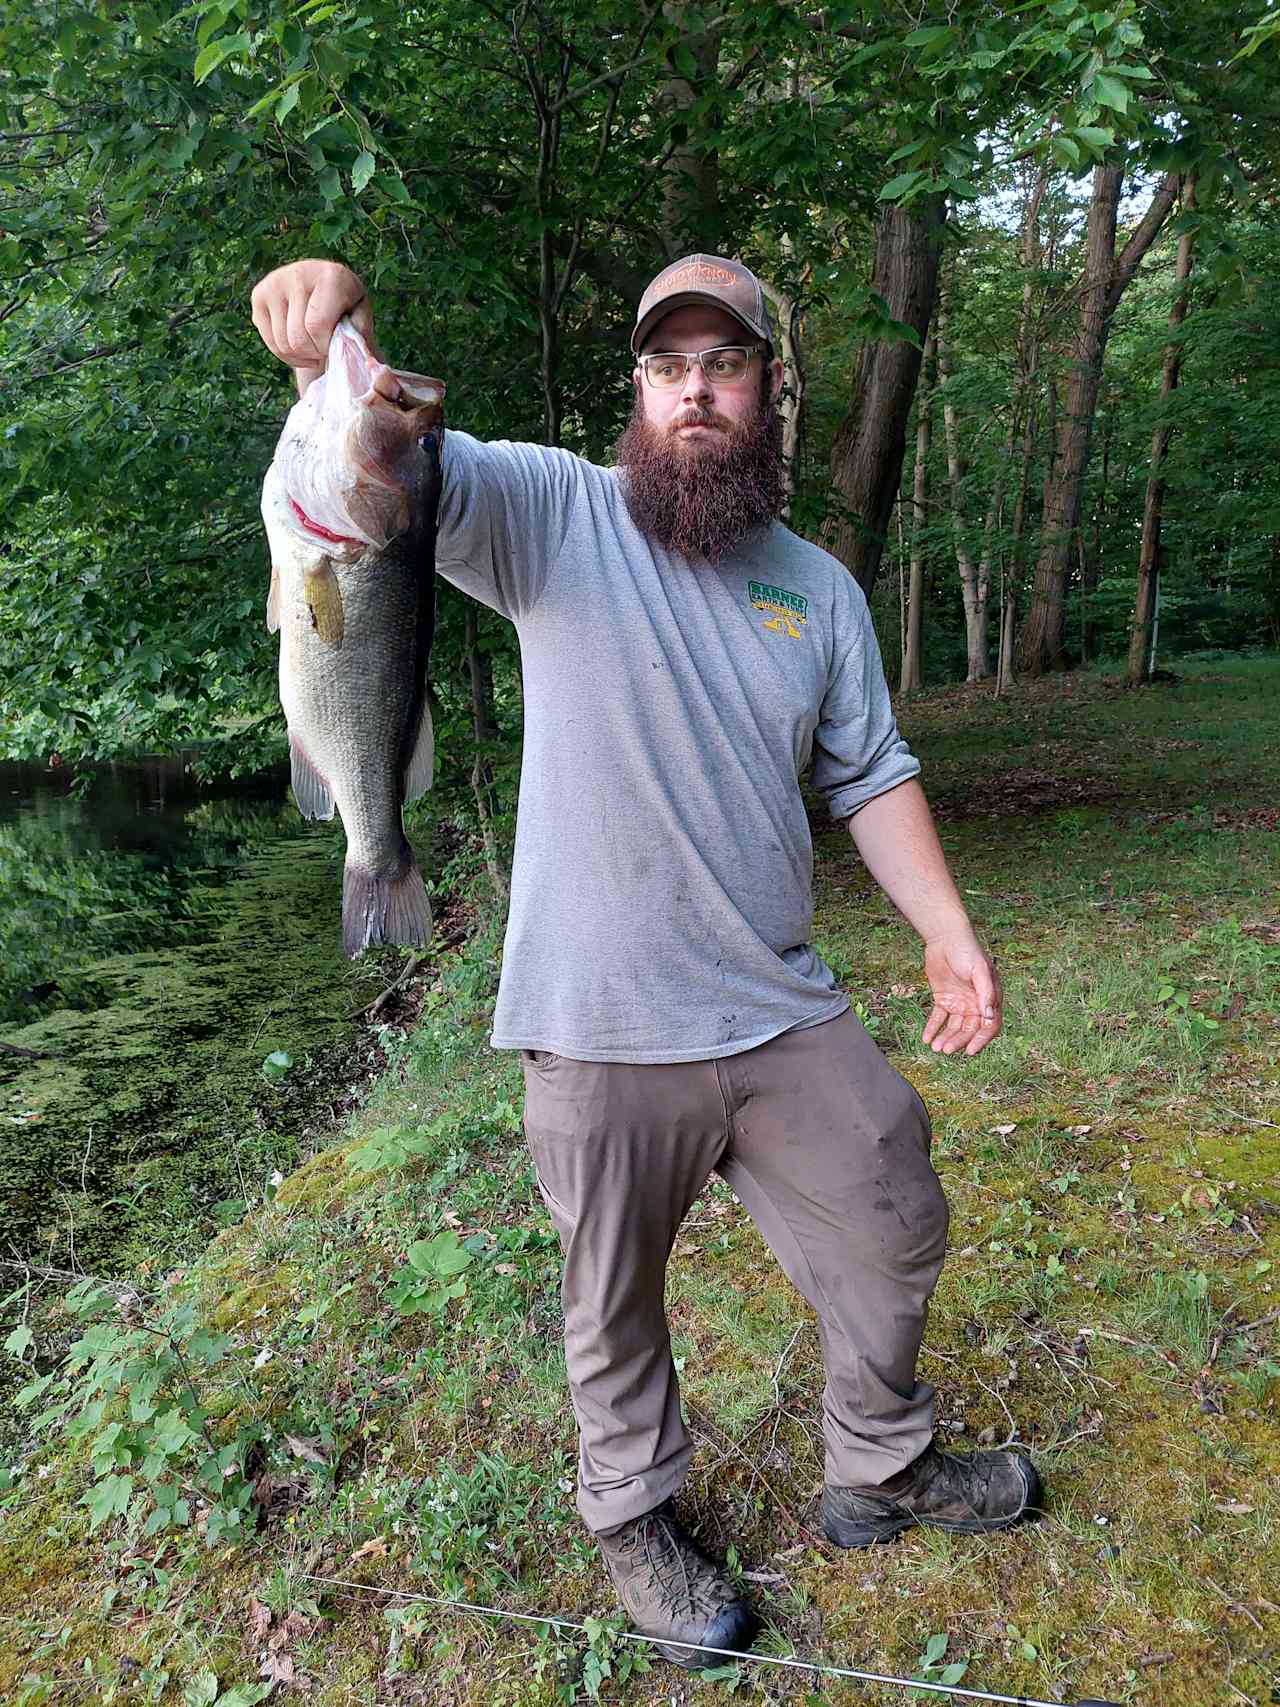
672, 1590
970, 1493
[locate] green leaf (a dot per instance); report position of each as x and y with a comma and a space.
1094, 135
20, 1341
202, 1691
288, 101
684, 62
277, 1064
900, 185
362, 171
927, 35
443, 1255
1109, 91
211, 57
108, 1498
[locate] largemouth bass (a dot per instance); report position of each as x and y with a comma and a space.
350, 505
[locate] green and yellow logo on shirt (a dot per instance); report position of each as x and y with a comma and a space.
788, 612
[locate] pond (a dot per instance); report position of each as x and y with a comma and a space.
159, 941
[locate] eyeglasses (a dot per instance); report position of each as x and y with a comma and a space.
726, 365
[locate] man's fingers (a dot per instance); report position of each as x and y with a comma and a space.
297, 307
960, 1027
934, 1024
304, 351
332, 297
986, 1033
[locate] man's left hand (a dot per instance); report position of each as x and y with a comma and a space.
966, 996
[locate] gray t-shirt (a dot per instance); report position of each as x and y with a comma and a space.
661, 895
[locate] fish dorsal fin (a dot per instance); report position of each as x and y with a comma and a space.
273, 602
421, 767
310, 790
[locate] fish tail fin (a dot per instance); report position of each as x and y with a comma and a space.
388, 907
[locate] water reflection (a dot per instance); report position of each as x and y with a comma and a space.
123, 862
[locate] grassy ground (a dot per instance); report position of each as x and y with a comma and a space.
1111, 1301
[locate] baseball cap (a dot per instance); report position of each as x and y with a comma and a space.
704, 278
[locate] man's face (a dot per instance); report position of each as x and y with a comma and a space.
702, 461
701, 412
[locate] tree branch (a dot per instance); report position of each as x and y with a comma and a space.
1148, 229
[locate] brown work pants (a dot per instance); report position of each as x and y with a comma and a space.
827, 1147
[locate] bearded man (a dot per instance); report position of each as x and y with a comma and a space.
685, 658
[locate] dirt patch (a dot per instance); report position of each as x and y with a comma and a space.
1023, 791
1251, 818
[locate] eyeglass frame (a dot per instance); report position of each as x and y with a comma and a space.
699, 356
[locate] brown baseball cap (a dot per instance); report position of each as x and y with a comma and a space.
704, 278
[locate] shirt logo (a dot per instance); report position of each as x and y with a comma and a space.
788, 611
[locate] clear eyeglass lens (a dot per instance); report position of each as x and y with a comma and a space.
724, 365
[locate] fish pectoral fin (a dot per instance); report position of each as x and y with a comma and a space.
421, 767
323, 595
273, 602
310, 790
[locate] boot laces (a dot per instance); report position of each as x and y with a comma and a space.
658, 1542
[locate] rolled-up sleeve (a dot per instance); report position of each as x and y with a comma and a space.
858, 749
504, 513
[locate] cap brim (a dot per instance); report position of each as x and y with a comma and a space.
682, 299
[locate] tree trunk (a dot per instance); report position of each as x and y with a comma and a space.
786, 325
866, 459
1022, 417
692, 217
911, 678
975, 597
1104, 281
1141, 649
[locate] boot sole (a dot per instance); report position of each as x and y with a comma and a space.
870, 1532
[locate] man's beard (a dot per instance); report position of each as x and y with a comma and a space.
702, 499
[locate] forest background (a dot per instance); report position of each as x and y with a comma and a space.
1021, 259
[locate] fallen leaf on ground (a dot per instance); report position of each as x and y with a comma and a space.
304, 1448
259, 1619
374, 1548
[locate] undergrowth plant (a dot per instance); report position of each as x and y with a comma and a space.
149, 1392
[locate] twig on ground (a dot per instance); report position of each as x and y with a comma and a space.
414, 961
998, 1397
1235, 1605
712, 1429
